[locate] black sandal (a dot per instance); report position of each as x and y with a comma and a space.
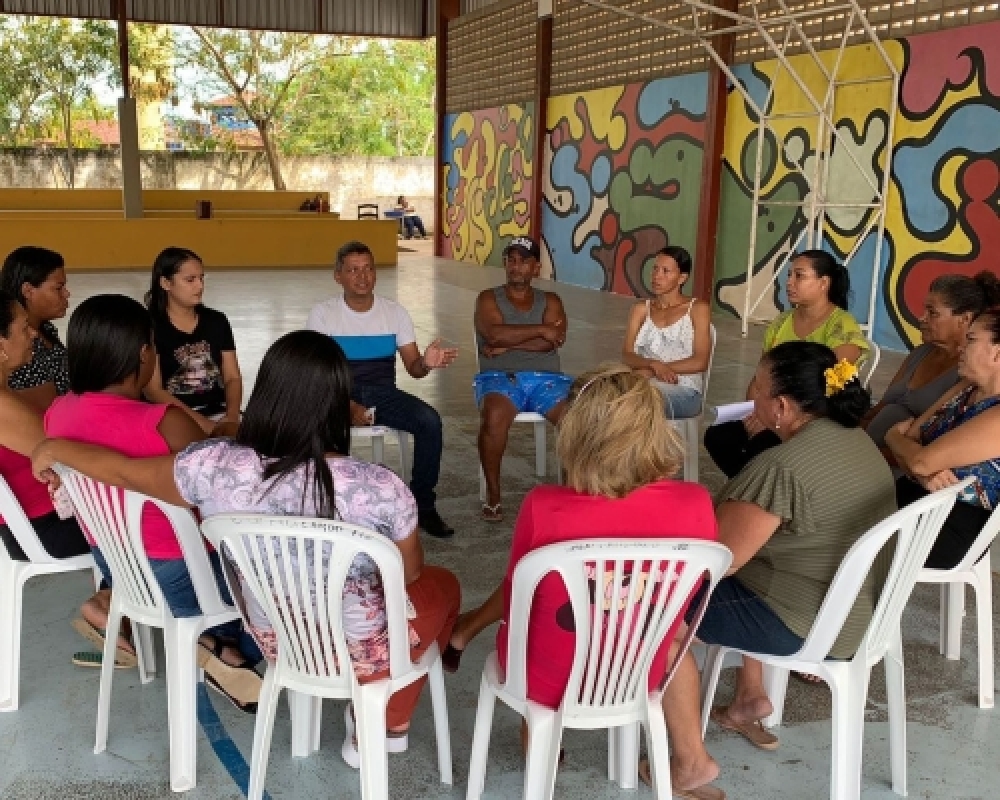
242, 682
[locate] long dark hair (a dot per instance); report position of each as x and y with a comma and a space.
7, 312
31, 265
104, 342
299, 411
798, 372
826, 266
166, 265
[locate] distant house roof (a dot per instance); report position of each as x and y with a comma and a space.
105, 130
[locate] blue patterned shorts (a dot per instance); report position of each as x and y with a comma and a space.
539, 392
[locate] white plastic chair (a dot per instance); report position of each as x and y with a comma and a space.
13, 576
915, 527
304, 606
376, 435
871, 363
974, 569
608, 685
113, 517
540, 430
690, 427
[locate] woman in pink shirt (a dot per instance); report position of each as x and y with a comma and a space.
111, 360
620, 453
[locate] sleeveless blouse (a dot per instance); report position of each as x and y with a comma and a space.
672, 342
985, 492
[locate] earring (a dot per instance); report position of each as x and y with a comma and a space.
777, 424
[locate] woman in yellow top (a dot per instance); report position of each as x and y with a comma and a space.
817, 288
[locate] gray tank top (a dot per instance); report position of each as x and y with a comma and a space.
901, 402
518, 360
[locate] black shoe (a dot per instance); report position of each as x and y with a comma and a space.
431, 523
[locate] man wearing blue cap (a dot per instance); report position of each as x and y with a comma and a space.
519, 330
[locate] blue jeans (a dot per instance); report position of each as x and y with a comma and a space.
738, 618
404, 412
175, 583
679, 402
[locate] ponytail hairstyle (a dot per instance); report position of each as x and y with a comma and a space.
798, 372
964, 295
167, 264
826, 266
680, 256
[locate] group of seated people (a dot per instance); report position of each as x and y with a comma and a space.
148, 398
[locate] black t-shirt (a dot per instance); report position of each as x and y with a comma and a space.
191, 363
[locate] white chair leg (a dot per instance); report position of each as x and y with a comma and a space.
953, 613
145, 651
107, 671
896, 695
378, 449
300, 709
442, 732
775, 684
369, 715
317, 724
984, 624
659, 755
404, 455
849, 688
714, 656
623, 755
541, 449
180, 640
481, 740
544, 736
11, 594
689, 432
266, 710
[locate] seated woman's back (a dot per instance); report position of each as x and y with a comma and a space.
619, 452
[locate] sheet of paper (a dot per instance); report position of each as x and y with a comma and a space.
732, 411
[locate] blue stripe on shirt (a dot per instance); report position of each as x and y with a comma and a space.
368, 348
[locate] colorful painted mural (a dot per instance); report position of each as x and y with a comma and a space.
488, 174
942, 205
621, 176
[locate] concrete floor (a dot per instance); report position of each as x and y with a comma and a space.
46, 747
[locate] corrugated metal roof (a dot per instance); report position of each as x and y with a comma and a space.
393, 18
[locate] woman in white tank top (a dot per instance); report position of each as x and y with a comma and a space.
668, 338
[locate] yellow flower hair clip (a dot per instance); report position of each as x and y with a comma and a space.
839, 375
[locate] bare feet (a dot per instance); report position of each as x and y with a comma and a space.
750, 708
460, 633
693, 774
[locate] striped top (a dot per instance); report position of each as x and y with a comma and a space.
829, 485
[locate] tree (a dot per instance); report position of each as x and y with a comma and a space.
269, 76
378, 100
68, 57
20, 89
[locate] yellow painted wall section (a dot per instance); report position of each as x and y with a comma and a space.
312, 241
153, 199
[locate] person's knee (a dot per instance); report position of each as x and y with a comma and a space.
426, 419
496, 416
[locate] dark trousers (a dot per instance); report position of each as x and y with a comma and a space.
397, 409
61, 538
414, 222
962, 526
732, 448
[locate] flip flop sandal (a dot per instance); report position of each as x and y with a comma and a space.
88, 658
753, 732
241, 683
95, 636
246, 708
395, 741
704, 792
492, 513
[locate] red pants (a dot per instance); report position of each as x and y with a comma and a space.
437, 598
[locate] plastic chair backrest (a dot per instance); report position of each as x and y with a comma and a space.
611, 662
871, 363
21, 528
915, 527
304, 602
113, 517
707, 374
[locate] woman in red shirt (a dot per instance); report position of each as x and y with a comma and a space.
620, 453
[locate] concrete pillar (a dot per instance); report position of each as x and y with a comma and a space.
128, 131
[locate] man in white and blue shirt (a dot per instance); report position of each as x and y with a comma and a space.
371, 330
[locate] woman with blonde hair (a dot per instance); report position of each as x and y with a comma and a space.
620, 454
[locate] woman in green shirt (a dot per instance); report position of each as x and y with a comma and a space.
789, 519
818, 288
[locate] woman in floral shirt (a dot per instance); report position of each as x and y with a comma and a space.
289, 457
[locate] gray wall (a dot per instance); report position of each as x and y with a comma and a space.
350, 180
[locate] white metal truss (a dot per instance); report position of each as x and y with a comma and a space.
768, 26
